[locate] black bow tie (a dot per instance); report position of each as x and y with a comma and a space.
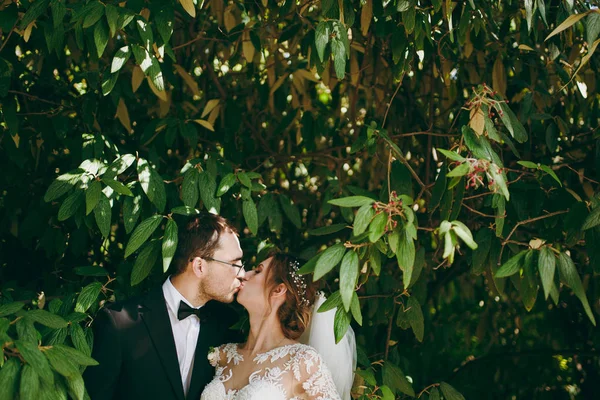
185, 311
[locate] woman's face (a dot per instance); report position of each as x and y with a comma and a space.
253, 294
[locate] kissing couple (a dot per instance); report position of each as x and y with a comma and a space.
176, 343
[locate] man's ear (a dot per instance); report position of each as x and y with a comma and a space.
197, 265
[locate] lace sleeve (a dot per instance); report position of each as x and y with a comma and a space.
214, 356
315, 377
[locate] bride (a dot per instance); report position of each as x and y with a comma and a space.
273, 364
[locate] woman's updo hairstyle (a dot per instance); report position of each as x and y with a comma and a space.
294, 314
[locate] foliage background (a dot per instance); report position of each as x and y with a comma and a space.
119, 116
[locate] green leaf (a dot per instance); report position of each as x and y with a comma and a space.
541, 5
46, 318
363, 219
88, 296
132, 208
92, 196
290, 210
332, 302
309, 266
450, 393
152, 184
76, 386
117, 187
327, 230
451, 155
510, 120
208, 186
226, 183
375, 260
528, 164
328, 260
550, 172
71, 204
144, 262
119, 166
245, 179
348, 276
164, 23
434, 394
461, 170
75, 355
592, 220
352, 201
33, 356
61, 185
529, 13
250, 215
120, 59
33, 13
341, 324
570, 277
386, 393
592, 27
145, 32
112, 17
415, 318
184, 210
169, 243
480, 254
142, 233
61, 362
355, 309
9, 376
93, 12
79, 340
377, 227
499, 180
512, 266
10, 308
339, 58
406, 257
102, 214
464, 233
547, 268
395, 379
100, 37
322, 34
189, 188
108, 83
30, 383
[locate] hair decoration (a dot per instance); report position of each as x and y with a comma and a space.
299, 282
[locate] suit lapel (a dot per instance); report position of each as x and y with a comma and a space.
156, 318
203, 371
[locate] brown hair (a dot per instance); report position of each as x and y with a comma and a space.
294, 314
199, 237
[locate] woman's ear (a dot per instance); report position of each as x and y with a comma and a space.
279, 290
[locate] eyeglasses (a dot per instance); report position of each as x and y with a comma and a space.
239, 266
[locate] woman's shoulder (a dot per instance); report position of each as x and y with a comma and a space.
223, 354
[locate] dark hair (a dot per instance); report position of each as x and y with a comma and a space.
199, 237
294, 314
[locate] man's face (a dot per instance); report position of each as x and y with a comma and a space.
222, 281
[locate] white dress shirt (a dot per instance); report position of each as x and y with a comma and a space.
185, 333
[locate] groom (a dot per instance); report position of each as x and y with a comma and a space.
155, 347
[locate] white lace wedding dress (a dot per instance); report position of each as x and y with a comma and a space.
290, 372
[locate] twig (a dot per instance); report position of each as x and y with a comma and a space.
392, 100
425, 390
389, 333
34, 97
9, 35
480, 213
527, 221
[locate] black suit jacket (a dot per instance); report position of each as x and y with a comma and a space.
134, 345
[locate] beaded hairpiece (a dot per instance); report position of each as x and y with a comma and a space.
299, 282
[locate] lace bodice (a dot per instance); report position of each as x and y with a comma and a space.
290, 372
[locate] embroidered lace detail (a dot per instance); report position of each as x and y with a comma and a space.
290, 372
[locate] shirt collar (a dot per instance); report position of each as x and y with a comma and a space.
173, 297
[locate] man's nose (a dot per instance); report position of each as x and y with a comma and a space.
241, 275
